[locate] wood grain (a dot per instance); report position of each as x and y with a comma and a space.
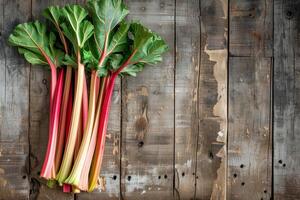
251, 27
250, 78
148, 113
212, 102
186, 99
286, 100
14, 106
249, 138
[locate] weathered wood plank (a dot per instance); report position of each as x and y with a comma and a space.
186, 101
147, 147
14, 106
251, 27
39, 116
249, 128
286, 100
212, 100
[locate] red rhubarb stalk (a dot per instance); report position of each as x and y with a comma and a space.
98, 155
84, 177
63, 119
48, 169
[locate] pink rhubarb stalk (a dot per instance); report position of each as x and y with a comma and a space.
48, 169
75, 174
69, 149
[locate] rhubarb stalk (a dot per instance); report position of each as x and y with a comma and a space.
74, 177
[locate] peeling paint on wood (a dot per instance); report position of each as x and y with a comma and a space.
211, 154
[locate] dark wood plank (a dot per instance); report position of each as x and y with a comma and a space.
249, 128
186, 101
212, 100
286, 100
251, 27
39, 114
147, 147
14, 105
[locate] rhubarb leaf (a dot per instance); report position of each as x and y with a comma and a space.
53, 13
36, 44
119, 40
106, 16
132, 70
148, 47
76, 28
69, 60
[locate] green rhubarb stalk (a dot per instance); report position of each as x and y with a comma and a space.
74, 177
84, 178
77, 30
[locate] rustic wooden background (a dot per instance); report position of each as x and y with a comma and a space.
218, 119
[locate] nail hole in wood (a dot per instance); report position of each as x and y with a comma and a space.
44, 81
183, 174
193, 174
234, 175
115, 177
242, 166
159, 177
197, 177
243, 183
166, 176
289, 14
265, 191
280, 161
129, 178
262, 199
283, 165
24, 177
141, 143
211, 155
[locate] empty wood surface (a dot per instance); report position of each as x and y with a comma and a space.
167, 135
286, 100
249, 114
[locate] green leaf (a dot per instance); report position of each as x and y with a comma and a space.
69, 60
115, 61
33, 58
88, 58
36, 44
76, 28
106, 14
53, 13
148, 47
102, 71
119, 40
132, 70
